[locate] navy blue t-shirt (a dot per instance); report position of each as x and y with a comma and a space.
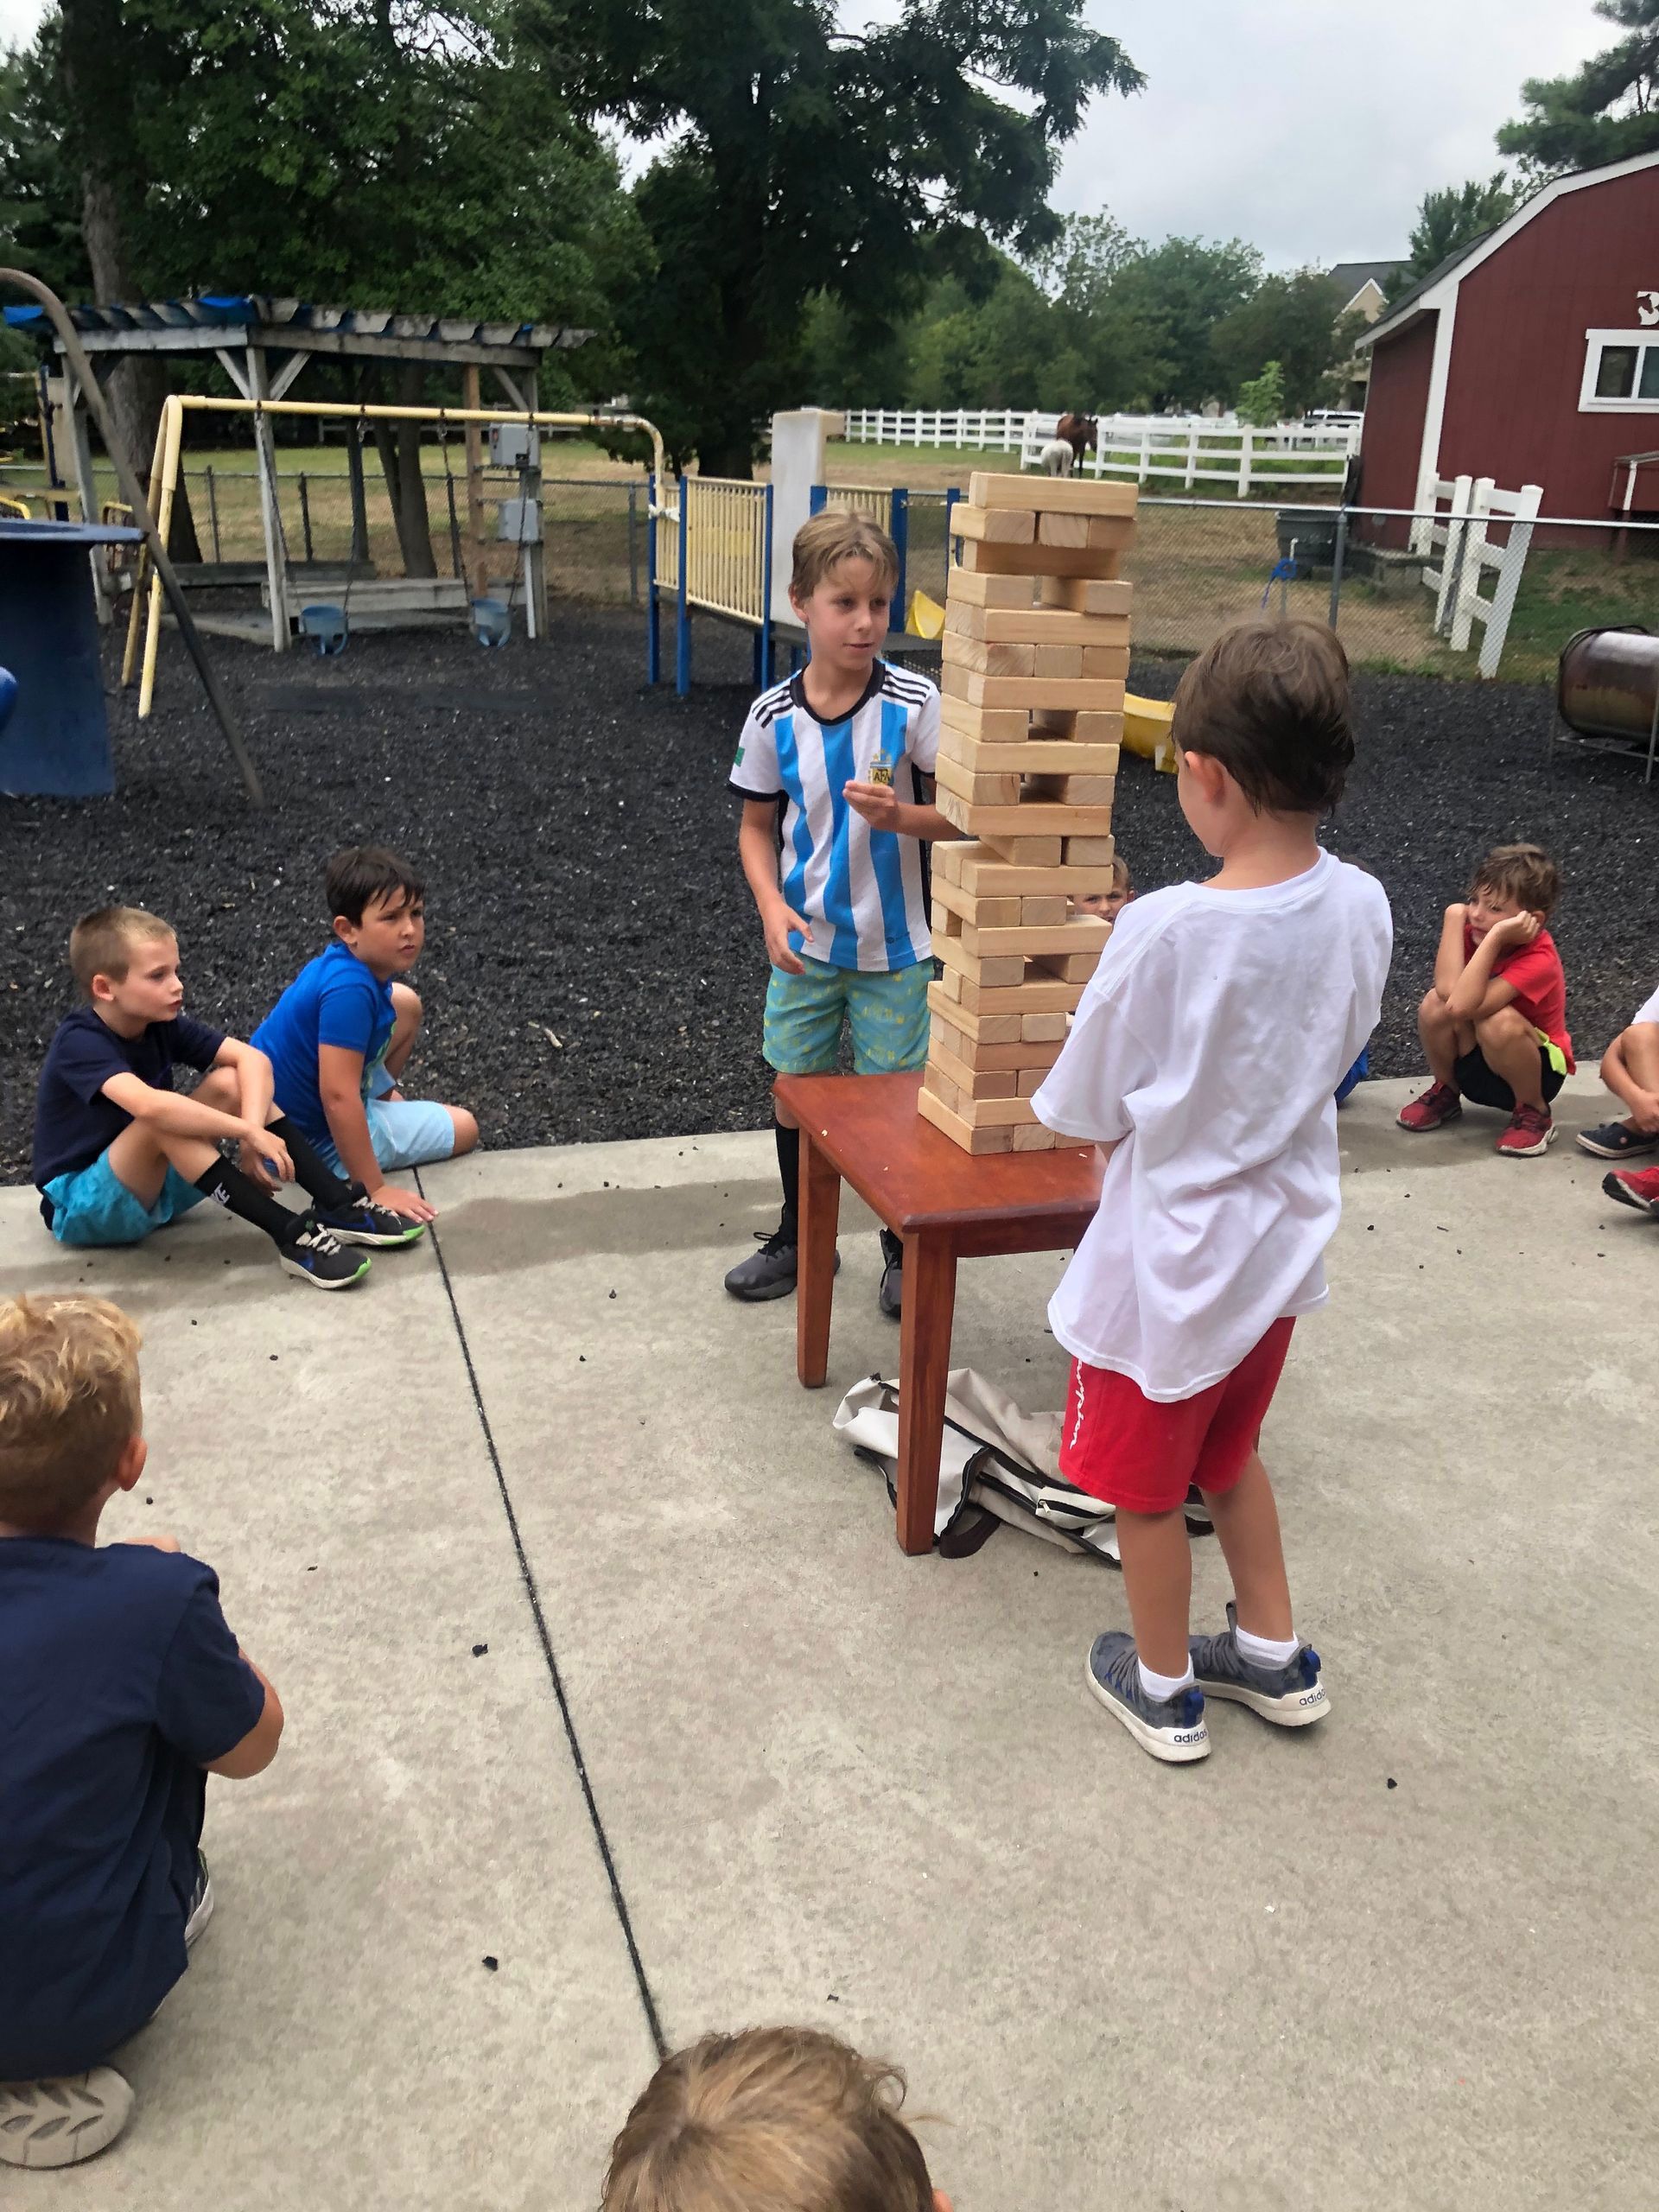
73, 1121
119, 1680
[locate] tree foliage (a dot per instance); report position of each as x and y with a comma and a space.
1455, 216
1262, 401
1294, 324
1605, 111
799, 158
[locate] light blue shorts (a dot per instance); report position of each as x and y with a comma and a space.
885, 1011
92, 1205
404, 1132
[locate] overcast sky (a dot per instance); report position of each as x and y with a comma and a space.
1310, 129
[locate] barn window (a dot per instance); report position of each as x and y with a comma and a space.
1621, 373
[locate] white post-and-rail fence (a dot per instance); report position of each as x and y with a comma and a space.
1456, 555
1191, 449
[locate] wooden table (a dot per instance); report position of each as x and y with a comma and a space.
947, 1205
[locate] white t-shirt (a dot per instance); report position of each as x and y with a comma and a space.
1211, 1041
861, 888
1651, 1010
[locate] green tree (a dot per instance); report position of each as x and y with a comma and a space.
1293, 323
1455, 216
1106, 342
1262, 401
1174, 294
1605, 111
802, 158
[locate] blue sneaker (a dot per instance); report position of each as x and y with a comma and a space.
1290, 1697
360, 1223
317, 1257
1616, 1141
1172, 1728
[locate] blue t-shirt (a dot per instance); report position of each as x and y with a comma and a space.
119, 1680
73, 1121
334, 1000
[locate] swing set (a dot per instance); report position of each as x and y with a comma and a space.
326, 624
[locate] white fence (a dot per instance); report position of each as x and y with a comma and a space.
1188, 449
1459, 537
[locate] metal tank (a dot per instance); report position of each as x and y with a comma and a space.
1607, 691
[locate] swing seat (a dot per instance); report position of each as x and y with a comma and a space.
492, 621
327, 627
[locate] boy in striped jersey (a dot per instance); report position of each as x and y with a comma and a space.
843, 753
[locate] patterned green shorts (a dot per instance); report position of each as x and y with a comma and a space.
887, 1013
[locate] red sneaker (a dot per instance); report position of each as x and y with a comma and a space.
1637, 1188
1438, 1104
1531, 1130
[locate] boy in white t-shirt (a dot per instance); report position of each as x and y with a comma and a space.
1205, 1055
1630, 1068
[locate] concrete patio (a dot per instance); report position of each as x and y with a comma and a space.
730, 1757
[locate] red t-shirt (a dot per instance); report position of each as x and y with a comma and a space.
1534, 974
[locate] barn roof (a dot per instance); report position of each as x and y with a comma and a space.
1434, 290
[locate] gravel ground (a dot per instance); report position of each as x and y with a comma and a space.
579, 846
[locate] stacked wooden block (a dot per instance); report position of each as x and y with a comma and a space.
1036, 655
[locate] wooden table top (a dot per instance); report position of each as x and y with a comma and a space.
912, 1176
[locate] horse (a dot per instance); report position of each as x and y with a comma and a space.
1073, 436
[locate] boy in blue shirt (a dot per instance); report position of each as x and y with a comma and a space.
844, 752
118, 1153
341, 1033
123, 1689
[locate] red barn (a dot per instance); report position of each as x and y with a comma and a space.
1531, 356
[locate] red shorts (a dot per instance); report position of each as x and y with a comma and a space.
1145, 1456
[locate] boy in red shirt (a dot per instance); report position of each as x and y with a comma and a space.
1494, 1022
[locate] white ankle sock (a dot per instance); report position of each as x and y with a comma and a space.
1164, 1686
1262, 1651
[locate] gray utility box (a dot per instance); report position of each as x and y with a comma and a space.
510, 445
519, 522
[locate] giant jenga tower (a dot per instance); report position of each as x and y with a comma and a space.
1036, 655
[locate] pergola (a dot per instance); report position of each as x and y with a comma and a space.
264, 344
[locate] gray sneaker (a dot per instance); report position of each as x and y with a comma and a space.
769, 1273
1171, 1728
60, 2122
1290, 1697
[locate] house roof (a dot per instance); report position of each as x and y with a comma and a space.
1435, 291
1350, 277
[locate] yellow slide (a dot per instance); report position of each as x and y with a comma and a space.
1146, 731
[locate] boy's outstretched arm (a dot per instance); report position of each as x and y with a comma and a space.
174, 1114
339, 1083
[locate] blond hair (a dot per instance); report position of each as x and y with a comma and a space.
68, 1403
839, 534
102, 943
778, 2119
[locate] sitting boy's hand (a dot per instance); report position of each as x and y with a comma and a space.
404, 1202
877, 803
1515, 929
265, 1158
780, 924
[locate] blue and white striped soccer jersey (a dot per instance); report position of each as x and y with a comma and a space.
861, 888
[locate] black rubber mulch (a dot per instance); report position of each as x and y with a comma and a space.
579, 842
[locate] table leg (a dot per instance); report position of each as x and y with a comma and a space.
924, 1363
815, 1278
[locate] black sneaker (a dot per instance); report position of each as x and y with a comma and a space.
769, 1273
364, 1222
890, 1298
317, 1257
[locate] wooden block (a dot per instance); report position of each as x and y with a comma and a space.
949, 983
989, 913
973, 1082
1030, 1082
952, 1125
994, 724
1065, 662
984, 1028
948, 856
1014, 1059
1046, 996
982, 871
1068, 791
995, 1113
993, 525
1002, 974
1034, 913
1063, 529
1092, 728
994, 825
1071, 560
1078, 694
965, 587
1031, 1136
1078, 595
1070, 967
978, 791
1051, 494
1101, 661
1067, 937
1043, 1028
935, 1081
1026, 852
1045, 757
994, 660
1090, 853
1035, 626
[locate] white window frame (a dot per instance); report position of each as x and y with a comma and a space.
1595, 343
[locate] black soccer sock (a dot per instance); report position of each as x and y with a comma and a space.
228, 1186
789, 1170
311, 1171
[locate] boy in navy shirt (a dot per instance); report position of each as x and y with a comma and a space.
341, 1034
118, 1153
123, 1690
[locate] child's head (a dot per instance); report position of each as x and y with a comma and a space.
1512, 880
379, 906
846, 570
127, 962
1108, 904
70, 1416
778, 2120
1267, 702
